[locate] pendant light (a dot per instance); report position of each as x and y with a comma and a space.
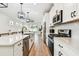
21, 14
27, 18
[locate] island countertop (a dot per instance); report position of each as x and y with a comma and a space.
10, 40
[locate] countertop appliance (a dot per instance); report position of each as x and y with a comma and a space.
57, 19
51, 44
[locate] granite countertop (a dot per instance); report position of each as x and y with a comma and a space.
26, 33
10, 40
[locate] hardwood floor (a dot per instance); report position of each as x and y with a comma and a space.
42, 50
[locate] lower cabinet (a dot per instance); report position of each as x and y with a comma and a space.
26, 46
13, 50
18, 49
31, 41
60, 48
66, 46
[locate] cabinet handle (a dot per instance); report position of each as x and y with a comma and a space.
60, 46
19, 44
73, 14
59, 53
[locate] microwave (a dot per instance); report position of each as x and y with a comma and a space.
58, 17
64, 32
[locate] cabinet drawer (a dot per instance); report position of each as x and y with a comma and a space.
60, 48
65, 45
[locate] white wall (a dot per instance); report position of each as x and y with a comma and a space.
3, 23
7, 23
47, 20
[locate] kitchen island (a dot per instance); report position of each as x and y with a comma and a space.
12, 45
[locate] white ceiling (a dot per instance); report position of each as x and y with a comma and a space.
36, 11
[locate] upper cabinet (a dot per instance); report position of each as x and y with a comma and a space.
56, 8
59, 6
69, 11
77, 10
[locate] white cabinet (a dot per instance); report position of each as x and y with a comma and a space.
56, 8
31, 40
65, 47
77, 10
58, 48
6, 51
59, 6
69, 11
18, 49
12, 50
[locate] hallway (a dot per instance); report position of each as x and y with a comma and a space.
39, 48
40, 51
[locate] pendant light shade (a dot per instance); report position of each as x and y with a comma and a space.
21, 14
27, 18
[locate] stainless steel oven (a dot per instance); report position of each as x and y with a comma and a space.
65, 32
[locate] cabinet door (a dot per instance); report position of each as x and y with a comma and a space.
30, 43
56, 48
59, 6
74, 11
25, 47
6, 50
77, 10
59, 47
18, 48
52, 14
69, 9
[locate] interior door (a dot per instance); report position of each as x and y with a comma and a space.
44, 32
